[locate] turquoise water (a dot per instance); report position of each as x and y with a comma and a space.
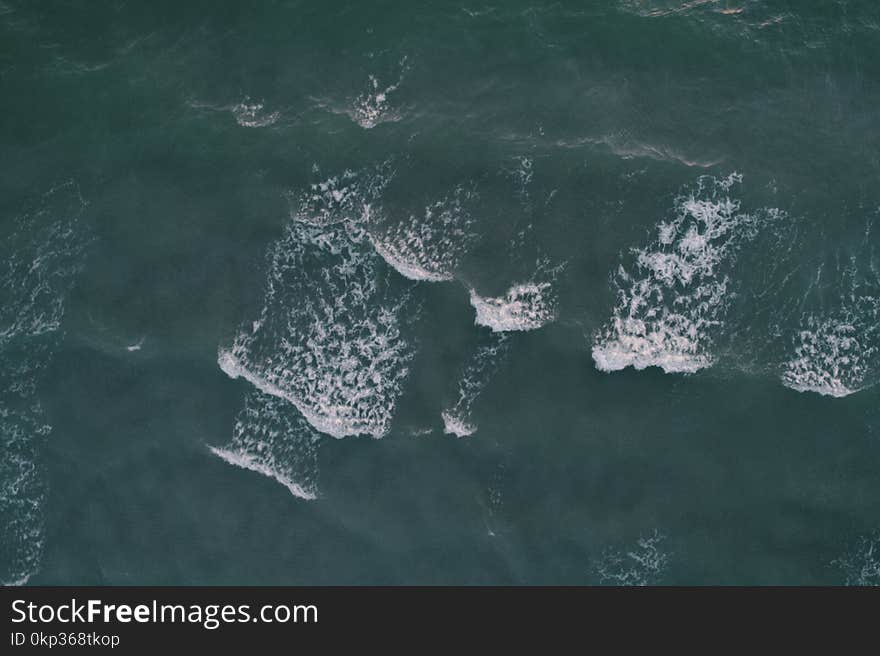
440, 293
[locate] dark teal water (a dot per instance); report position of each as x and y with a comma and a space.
602, 276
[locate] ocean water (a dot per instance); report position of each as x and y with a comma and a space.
440, 293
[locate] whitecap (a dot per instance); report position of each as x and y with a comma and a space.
525, 306
250, 114
394, 256
828, 360
347, 197
250, 462
673, 296
330, 337
458, 426
271, 439
247, 113
837, 355
475, 375
428, 246
373, 106
131, 348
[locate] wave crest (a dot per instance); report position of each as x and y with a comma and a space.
526, 306
674, 295
271, 439
474, 378
428, 246
329, 339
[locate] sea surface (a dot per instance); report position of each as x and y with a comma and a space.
440, 292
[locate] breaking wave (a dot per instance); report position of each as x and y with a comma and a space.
474, 377
349, 196
428, 246
454, 424
251, 114
836, 351
526, 306
271, 438
673, 297
833, 357
330, 336
373, 106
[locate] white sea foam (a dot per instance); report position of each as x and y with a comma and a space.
270, 438
329, 339
525, 306
861, 563
829, 359
337, 422
475, 375
249, 461
392, 254
251, 114
675, 293
347, 197
837, 354
247, 113
835, 349
430, 245
644, 564
22, 483
373, 106
131, 348
453, 425
42, 251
